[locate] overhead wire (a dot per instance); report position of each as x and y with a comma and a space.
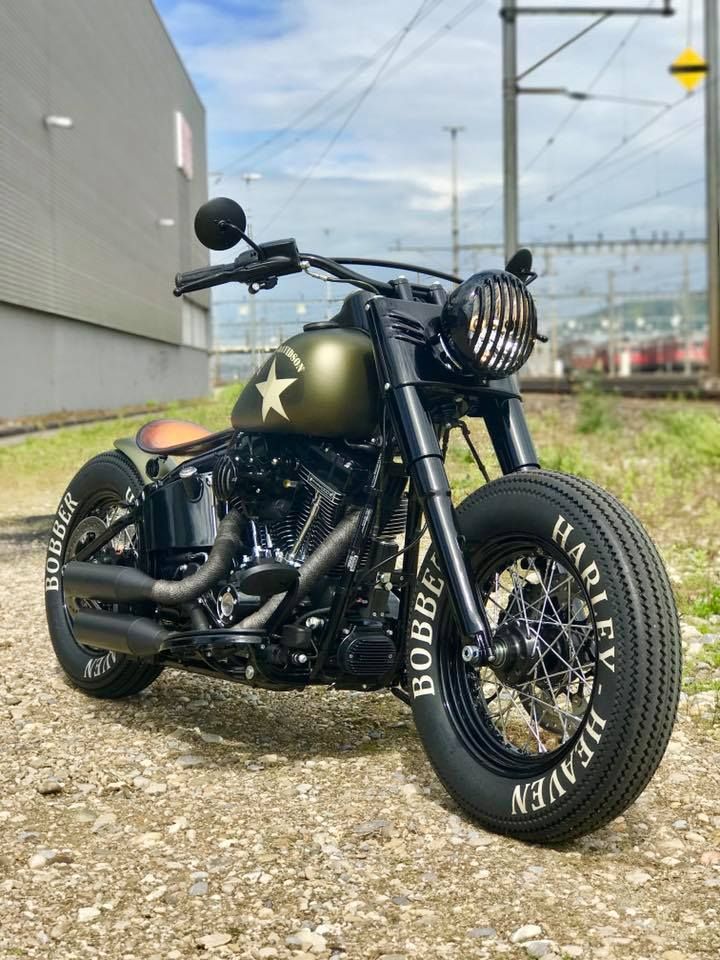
364, 94
639, 203
591, 86
636, 158
438, 35
488, 208
429, 5
620, 145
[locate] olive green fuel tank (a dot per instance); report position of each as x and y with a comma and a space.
320, 382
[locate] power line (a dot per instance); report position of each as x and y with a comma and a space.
639, 203
620, 146
591, 86
441, 32
636, 158
488, 208
365, 93
412, 57
322, 100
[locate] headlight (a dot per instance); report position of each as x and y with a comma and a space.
489, 324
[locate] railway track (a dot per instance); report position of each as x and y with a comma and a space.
639, 385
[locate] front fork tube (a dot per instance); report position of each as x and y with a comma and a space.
424, 462
509, 433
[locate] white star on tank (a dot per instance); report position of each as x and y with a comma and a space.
270, 391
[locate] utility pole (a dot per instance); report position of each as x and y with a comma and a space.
455, 214
612, 365
510, 131
712, 175
252, 311
685, 313
510, 11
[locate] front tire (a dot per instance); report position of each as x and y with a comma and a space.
99, 493
568, 728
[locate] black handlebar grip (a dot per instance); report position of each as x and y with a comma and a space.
200, 279
191, 275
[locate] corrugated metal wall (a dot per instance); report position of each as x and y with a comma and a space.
79, 208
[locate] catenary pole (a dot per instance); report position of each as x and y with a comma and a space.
510, 128
455, 211
509, 12
712, 175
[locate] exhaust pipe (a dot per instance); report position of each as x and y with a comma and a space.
143, 637
96, 581
322, 559
121, 632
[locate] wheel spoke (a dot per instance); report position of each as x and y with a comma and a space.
537, 698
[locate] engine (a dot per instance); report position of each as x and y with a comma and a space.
294, 494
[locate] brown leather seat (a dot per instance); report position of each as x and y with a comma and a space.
165, 437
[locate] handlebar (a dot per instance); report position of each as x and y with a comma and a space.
261, 268
275, 259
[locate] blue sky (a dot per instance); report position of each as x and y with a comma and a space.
384, 176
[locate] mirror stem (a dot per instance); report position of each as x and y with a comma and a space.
224, 224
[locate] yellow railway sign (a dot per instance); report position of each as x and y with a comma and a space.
689, 68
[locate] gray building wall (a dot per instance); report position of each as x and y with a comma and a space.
109, 368
86, 308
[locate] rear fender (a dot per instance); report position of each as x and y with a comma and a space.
140, 459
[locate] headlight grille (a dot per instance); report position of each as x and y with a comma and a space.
490, 324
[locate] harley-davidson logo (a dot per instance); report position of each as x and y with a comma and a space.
270, 391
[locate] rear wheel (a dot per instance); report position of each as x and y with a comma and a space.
563, 731
101, 493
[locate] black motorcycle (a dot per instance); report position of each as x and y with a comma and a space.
536, 641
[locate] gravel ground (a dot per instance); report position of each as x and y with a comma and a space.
205, 819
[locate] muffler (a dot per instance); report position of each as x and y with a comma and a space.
143, 637
121, 632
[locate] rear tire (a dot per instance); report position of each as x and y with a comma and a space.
520, 752
105, 484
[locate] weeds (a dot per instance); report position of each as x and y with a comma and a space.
565, 459
707, 605
597, 411
688, 436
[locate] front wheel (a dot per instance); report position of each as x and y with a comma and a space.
568, 725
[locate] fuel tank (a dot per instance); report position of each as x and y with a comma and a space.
321, 383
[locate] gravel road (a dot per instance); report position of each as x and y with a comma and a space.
205, 819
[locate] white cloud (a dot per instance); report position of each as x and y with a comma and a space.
388, 175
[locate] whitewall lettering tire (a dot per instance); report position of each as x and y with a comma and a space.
100, 493
567, 726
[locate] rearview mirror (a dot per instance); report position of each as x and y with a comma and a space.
214, 223
520, 264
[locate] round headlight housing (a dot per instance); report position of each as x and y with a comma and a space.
489, 324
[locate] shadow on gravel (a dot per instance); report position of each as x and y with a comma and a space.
299, 726
20, 531
312, 725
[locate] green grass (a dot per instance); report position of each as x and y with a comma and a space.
660, 458
48, 462
597, 411
707, 605
690, 438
